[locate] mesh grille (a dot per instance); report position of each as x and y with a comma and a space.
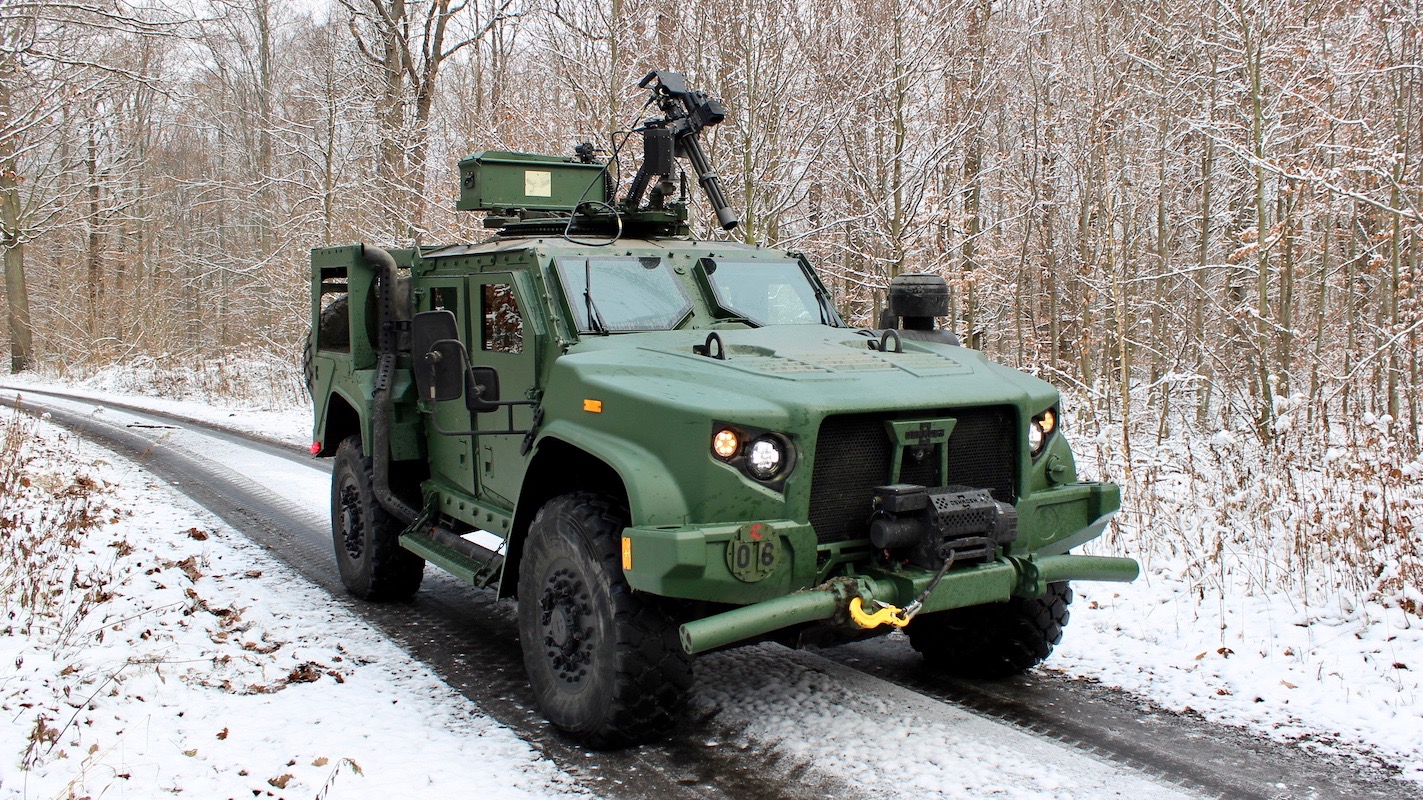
982, 451
852, 456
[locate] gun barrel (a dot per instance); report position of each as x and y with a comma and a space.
710, 181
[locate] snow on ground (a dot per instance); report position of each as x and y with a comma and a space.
178, 658
1278, 590
264, 399
888, 741
1218, 624
1341, 680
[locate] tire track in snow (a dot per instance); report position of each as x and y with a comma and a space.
484, 663
464, 635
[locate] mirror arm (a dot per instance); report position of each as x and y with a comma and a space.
467, 363
509, 408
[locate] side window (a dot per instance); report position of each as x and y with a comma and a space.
445, 298
503, 324
334, 329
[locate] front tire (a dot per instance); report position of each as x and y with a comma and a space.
993, 641
605, 663
373, 565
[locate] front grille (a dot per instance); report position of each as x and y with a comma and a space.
853, 452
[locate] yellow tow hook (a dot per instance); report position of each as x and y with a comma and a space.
886, 615
898, 617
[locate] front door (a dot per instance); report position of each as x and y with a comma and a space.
453, 458
504, 338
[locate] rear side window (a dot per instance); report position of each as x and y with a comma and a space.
333, 332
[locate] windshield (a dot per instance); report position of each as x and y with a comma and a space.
765, 292
628, 294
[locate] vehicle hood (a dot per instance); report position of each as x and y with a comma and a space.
790, 372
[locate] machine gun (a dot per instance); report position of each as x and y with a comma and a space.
528, 194
676, 134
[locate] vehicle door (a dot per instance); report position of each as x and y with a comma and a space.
505, 338
452, 458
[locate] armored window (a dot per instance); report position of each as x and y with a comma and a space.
334, 329
767, 292
503, 325
611, 295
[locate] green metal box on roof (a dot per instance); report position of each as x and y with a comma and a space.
495, 180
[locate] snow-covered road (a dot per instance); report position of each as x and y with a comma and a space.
211, 670
794, 724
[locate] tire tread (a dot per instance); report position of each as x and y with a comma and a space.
653, 674
395, 573
993, 641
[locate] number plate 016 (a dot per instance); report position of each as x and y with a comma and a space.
752, 556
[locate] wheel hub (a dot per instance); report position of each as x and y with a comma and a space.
564, 617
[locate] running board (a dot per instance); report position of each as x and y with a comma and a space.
464, 559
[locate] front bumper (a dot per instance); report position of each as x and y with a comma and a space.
994, 582
710, 563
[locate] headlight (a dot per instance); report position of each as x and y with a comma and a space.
1040, 429
764, 458
1036, 437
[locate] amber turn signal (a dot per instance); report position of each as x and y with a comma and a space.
1048, 421
726, 443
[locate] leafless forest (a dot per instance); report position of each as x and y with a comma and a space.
1202, 219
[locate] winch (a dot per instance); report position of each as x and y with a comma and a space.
926, 527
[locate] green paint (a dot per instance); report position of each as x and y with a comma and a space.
650, 438
495, 180
930, 435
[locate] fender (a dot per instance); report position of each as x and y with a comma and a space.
652, 499
363, 425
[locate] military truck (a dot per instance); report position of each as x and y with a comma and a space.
663, 445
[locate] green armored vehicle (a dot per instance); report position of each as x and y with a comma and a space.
663, 446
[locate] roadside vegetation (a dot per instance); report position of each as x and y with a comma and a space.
1201, 220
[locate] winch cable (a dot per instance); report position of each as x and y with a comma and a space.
913, 608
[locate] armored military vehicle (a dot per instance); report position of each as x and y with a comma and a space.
663, 445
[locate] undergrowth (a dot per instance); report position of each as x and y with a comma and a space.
258, 380
48, 595
1327, 518
45, 519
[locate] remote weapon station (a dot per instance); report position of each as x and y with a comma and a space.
663, 446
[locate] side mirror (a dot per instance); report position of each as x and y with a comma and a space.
438, 354
481, 389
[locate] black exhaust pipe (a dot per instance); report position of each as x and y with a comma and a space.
385, 370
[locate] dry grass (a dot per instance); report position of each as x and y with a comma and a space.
1318, 521
45, 594
44, 520
256, 380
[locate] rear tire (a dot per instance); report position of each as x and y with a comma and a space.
993, 641
606, 664
373, 565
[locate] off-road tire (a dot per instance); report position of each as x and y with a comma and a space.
993, 641
373, 565
605, 663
